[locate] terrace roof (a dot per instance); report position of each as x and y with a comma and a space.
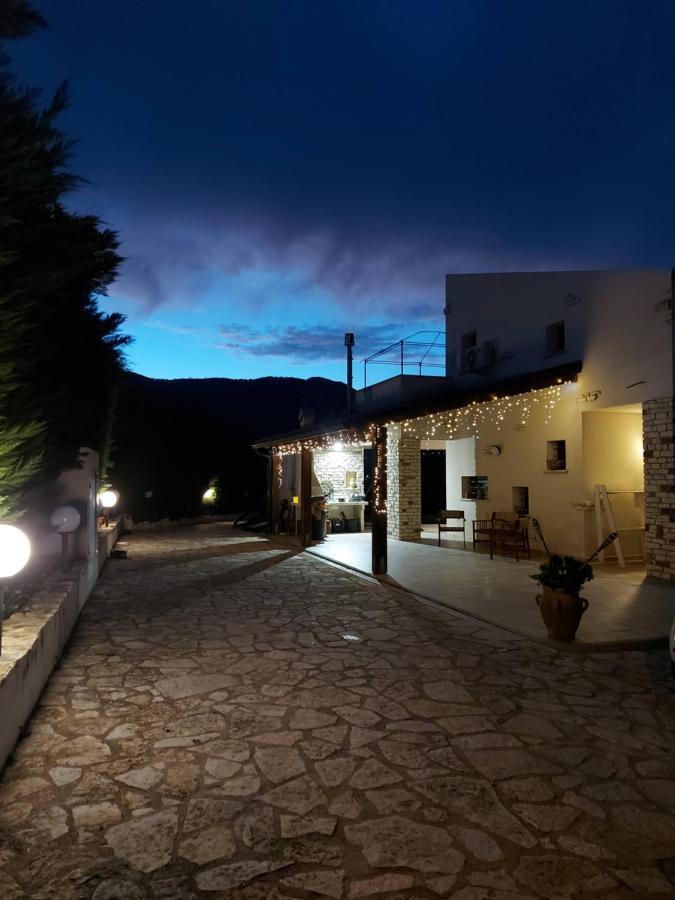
454, 398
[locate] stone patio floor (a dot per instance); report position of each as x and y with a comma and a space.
626, 609
235, 720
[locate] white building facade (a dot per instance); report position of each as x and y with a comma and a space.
617, 325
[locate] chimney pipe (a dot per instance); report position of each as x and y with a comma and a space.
349, 343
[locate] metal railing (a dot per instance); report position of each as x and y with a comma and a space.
413, 352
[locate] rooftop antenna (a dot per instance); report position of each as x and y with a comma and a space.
349, 343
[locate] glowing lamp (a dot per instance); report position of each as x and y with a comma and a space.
209, 495
65, 519
108, 499
296, 500
14, 550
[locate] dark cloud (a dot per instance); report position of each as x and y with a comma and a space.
364, 149
307, 343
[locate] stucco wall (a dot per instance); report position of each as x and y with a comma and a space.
617, 323
612, 455
460, 459
522, 463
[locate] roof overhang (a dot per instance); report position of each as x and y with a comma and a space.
453, 398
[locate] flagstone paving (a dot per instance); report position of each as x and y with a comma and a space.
235, 720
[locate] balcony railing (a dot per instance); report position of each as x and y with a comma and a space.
412, 355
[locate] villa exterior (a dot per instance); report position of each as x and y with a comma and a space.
555, 383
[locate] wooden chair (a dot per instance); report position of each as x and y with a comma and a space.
481, 530
455, 514
503, 530
509, 534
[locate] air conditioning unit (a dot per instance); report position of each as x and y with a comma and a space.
481, 359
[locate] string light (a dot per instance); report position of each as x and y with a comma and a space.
347, 438
499, 412
380, 471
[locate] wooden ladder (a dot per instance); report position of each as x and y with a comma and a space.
601, 501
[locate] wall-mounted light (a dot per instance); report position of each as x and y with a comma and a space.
209, 495
493, 450
588, 396
337, 447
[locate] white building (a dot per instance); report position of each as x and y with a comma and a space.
555, 383
617, 325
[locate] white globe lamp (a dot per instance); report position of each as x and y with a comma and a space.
14, 554
65, 519
108, 499
14, 550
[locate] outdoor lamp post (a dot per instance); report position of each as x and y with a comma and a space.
108, 500
14, 554
66, 520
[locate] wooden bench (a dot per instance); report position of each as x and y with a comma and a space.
503, 531
456, 514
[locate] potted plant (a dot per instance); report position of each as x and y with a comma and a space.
561, 607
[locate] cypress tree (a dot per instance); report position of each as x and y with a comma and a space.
61, 357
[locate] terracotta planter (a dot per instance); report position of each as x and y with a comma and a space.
561, 612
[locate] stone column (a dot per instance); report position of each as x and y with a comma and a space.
404, 485
657, 436
379, 502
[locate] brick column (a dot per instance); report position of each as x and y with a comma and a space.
404, 485
657, 435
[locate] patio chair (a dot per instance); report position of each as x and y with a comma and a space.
453, 514
481, 530
510, 535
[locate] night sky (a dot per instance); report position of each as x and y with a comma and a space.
281, 172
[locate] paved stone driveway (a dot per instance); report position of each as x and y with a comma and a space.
213, 731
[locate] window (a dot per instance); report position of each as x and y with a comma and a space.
521, 500
556, 456
555, 338
466, 342
474, 487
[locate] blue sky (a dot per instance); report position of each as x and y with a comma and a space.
282, 172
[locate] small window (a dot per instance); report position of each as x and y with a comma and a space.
555, 338
556, 456
466, 342
521, 501
474, 487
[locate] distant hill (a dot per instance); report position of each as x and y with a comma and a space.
173, 437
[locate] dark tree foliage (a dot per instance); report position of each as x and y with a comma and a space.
60, 356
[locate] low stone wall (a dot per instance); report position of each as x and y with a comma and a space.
33, 639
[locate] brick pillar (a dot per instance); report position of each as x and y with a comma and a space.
404, 485
657, 435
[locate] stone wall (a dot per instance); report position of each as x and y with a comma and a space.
657, 424
404, 485
332, 465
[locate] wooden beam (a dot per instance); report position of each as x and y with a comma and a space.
379, 501
306, 497
274, 485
